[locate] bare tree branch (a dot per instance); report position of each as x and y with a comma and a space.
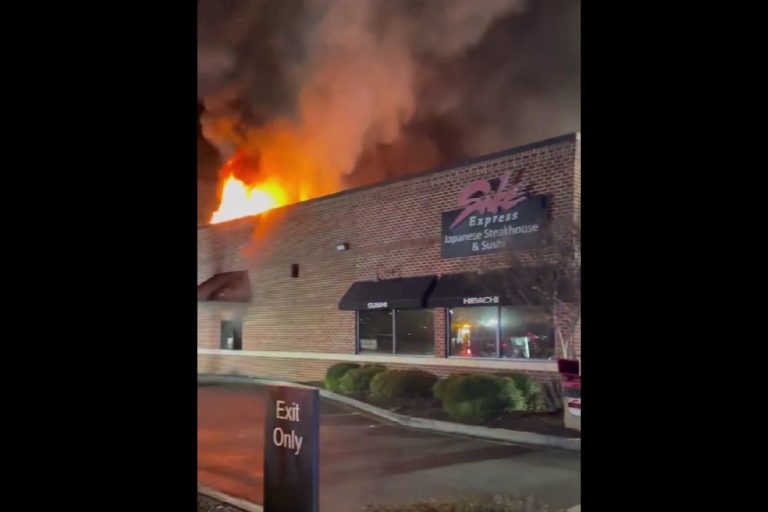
550, 277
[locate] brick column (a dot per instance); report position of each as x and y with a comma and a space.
440, 316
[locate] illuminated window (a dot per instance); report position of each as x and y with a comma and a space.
526, 333
506, 331
474, 331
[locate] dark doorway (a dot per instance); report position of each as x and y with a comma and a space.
231, 335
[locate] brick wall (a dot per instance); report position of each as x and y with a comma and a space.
393, 230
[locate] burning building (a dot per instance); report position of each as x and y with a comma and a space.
437, 271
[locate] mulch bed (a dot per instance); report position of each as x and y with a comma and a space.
206, 504
548, 423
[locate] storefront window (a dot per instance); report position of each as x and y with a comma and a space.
509, 332
375, 330
526, 333
474, 331
415, 331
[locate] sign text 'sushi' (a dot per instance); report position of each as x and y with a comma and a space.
288, 440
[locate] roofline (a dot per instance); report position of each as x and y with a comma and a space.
573, 136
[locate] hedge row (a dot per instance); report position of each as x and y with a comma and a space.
467, 397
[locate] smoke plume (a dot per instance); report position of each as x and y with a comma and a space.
340, 93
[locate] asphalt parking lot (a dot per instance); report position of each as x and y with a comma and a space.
363, 460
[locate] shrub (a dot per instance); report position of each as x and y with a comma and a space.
403, 384
359, 380
438, 390
334, 374
477, 398
514, 396
494, 504
527, 394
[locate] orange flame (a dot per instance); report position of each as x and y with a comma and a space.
276, 165
241, 200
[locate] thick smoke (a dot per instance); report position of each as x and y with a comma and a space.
207, 164
374, 89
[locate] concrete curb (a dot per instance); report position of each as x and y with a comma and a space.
493, 434
229, 500
253, 507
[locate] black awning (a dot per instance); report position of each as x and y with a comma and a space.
403, 293
495, 287
226, 287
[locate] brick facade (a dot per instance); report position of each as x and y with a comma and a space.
393, 230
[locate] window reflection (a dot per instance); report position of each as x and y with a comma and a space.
524, 332
415, 331
375, 330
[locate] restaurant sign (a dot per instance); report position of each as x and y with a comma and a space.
492, 221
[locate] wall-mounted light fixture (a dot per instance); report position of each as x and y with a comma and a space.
342, 247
